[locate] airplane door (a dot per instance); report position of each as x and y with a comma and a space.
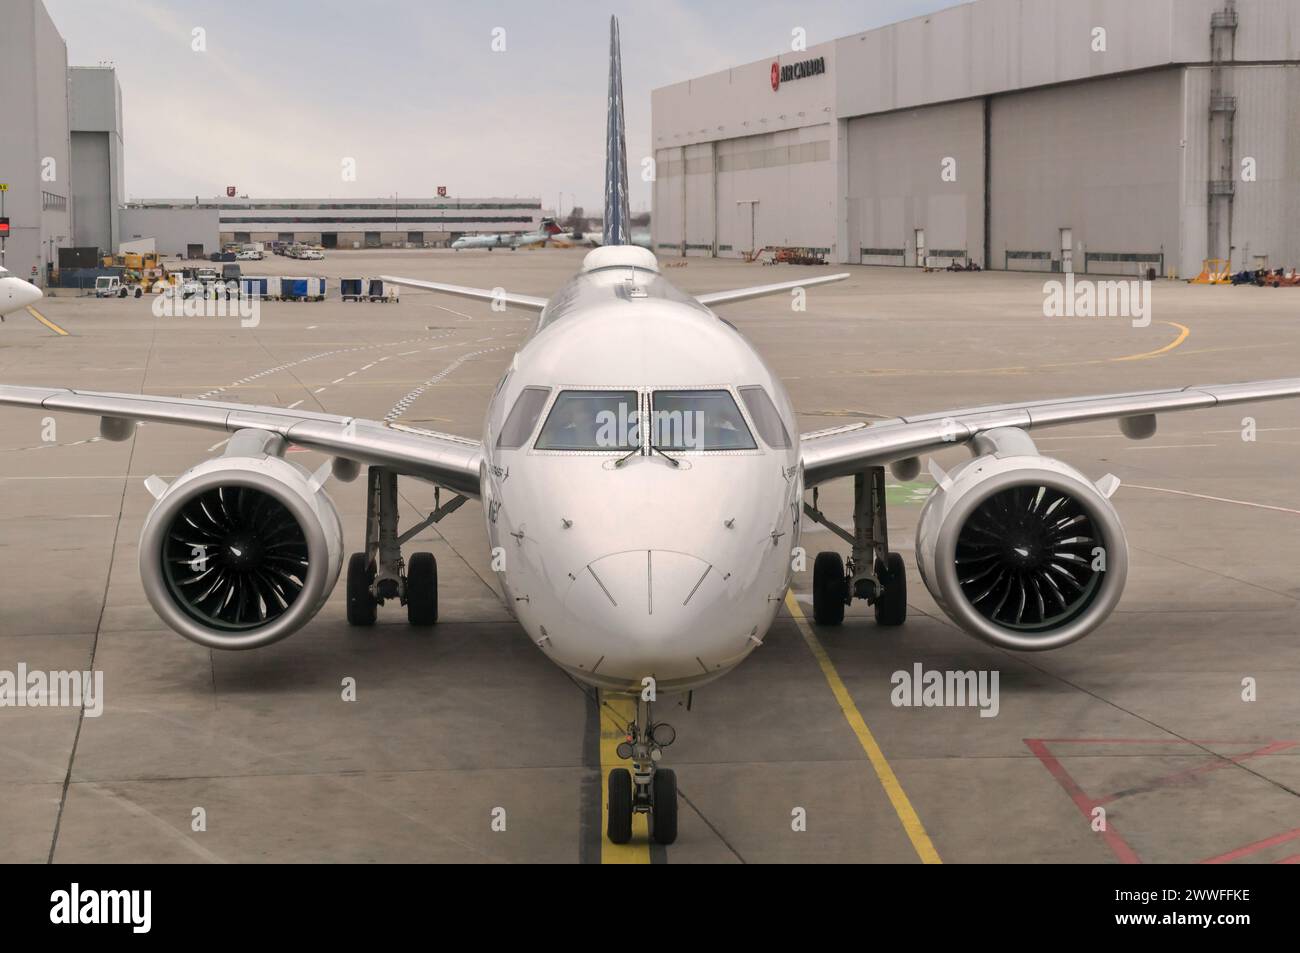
1067, 250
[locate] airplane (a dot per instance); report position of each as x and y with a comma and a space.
544, 234
482, 241
16, 294
644, 486
590, 239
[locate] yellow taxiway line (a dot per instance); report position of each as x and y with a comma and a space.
46, 321
888, 780
615, 713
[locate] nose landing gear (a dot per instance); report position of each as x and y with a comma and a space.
646, 788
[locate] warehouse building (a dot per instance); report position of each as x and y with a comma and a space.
1108, 137
356, 223
35, 145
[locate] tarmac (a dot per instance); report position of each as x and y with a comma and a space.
1170, 734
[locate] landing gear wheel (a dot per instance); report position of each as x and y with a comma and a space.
619, 826
891, 605
663, 820
829, 589
422, 590
361, 604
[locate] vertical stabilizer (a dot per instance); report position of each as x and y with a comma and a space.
618, 228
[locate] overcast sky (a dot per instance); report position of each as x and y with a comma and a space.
411, 89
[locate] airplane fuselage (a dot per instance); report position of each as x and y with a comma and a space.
617, 563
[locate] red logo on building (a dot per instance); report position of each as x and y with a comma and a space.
442, 191
230, 191
776, 76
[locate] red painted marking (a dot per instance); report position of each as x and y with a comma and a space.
1220, 762
1254, 848
1119, 847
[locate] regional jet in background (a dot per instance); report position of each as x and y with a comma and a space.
16, 294
643, 487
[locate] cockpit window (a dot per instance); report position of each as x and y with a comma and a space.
698, 420
522, 417
766, 417
592, 420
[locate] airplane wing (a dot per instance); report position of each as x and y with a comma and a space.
840, 451
445, 459
527, 302
758, 291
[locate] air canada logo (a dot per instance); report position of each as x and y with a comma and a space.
801, 70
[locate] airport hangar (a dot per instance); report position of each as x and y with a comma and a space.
1011, 133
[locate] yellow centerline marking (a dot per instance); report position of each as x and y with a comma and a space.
912, 825
613, 731
1184, 332
46, 321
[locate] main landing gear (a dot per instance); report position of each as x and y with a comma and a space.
379, 574
647, 788
873, 572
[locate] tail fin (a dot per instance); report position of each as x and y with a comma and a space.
618, 229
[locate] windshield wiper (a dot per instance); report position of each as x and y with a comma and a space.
673, 460
627, 456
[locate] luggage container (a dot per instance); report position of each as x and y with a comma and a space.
253, 287
378, 290
293, 289
350, 289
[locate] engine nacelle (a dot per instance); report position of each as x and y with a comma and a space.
242, 550
1021, 550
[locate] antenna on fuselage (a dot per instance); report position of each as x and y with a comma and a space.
617, 227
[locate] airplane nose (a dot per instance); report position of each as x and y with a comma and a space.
663, 611
33, 293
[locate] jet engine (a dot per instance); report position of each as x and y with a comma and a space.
242, 550
1021, 550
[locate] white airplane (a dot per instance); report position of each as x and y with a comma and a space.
546, 233
643, 485
482, 241
16, 294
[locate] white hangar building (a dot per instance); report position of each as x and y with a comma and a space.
1110, 136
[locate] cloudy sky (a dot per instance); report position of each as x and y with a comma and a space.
411, 89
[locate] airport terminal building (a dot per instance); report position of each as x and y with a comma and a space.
337, 223
1108, 137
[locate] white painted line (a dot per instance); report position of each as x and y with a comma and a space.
1213, 499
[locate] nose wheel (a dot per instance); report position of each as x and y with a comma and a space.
645, 788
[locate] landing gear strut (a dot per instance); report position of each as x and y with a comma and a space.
872, 572
380, 574
646, 788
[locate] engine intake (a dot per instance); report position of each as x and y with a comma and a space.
1022, 550
240, 551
